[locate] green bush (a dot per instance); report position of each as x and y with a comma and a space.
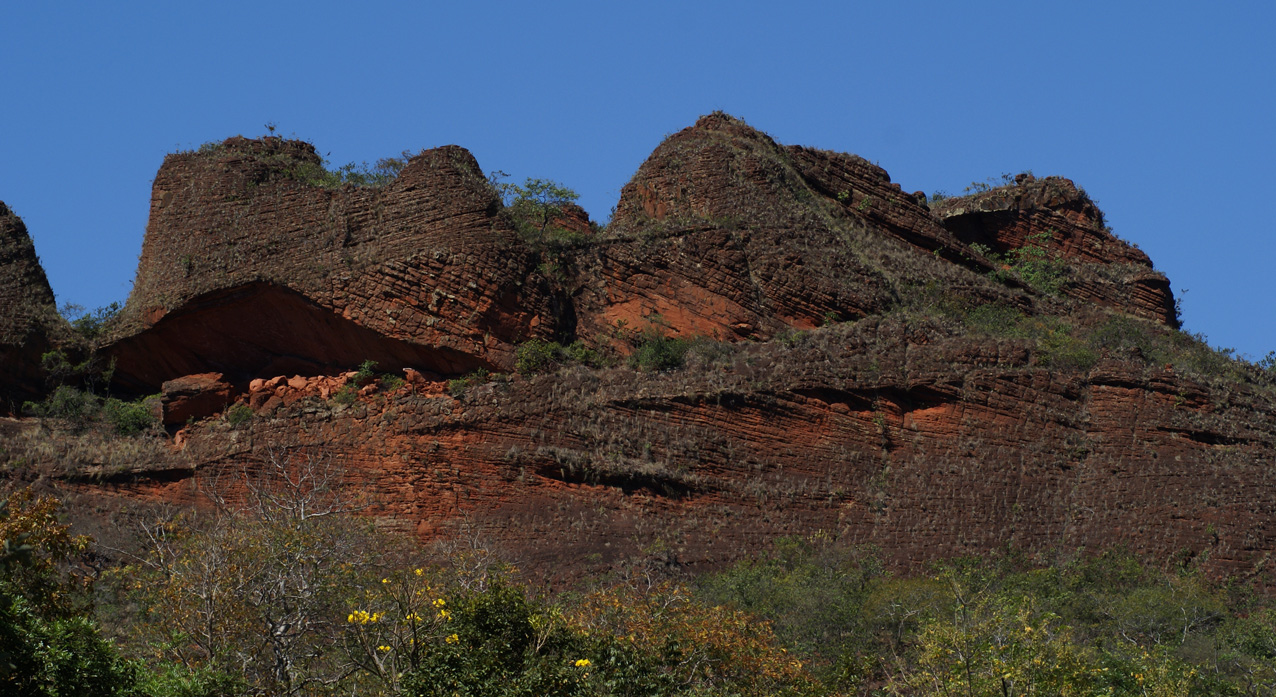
366, 373
69, 404
457, 386
79, 409
130, 418
657, 352
540, 356
90, 323
346, 395
238, 415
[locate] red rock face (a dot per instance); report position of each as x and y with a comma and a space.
1054, 213
249, 269
722, 232
912, 438
904, 428
194, 397
29, 323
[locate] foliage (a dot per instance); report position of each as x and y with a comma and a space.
656, 351
366, 373
90, 323
47, 646
238, 415
258, 590
812, 590
540, 356
346, 395
536, 206
1032, 263
661, 641
81, 409
1001, 625
383, 172
457, 386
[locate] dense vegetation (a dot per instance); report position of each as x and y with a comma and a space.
286, 593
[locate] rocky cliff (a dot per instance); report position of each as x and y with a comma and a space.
29, 322
933, 379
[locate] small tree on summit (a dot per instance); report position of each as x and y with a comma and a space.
536, 204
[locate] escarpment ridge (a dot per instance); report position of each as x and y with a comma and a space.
934, 378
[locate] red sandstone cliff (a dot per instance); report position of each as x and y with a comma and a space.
29, 322
879, 373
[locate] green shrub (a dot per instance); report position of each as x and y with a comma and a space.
70, 404
457, 387
537, 356
346, 395
79, 409
997, 320
366, 373
238, 415
362, 175
130, 418
656, 352
540, 356
173, 680
90, 323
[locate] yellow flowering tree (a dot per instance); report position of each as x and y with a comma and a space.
396, 621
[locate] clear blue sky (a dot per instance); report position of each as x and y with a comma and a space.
1165, 112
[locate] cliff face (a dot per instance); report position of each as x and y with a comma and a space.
882, 370
29, 322
250, 270
1054, 213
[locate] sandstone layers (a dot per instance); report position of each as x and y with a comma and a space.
844, 395
29, 322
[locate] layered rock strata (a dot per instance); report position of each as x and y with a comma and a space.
29, 322
250, 267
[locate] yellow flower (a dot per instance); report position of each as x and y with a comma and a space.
383, 647
418, 572
582, 663
385, 580
439, 602
445, 614
452, 639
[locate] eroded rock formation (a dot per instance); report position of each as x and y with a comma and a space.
29, 322
859, 386
250, 268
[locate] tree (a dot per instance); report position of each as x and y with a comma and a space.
47, 645
536, 205
261, 588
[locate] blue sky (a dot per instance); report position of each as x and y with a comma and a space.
1163, 112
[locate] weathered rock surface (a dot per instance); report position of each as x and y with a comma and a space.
852, 393
1054, 213
723, 232
911, 437
194, 397
29, 322
250, 269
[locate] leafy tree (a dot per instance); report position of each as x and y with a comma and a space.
48, 647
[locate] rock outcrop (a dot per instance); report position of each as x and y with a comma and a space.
1054, 214
29, 322
251, 267
882, 371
